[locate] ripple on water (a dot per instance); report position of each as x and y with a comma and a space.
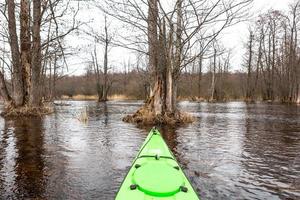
233, 151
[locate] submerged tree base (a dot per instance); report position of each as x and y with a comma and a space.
27, 111
145, 116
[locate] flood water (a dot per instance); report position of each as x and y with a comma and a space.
232, 151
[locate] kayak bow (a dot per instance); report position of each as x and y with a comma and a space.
155, 174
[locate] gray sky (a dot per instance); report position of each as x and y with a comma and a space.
233, 38
236, 36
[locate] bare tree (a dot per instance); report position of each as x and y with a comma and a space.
103, 38
200, 69
29, 53
107, 41
275, 56
249, 89
171, 40
97, 71
213, 76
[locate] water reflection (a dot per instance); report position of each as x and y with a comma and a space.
7, 161
270, 157
23, 149
233, 151
237, 151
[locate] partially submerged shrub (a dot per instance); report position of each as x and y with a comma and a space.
27, 111
145, 116
83, 116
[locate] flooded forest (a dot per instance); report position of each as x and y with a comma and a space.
83, 82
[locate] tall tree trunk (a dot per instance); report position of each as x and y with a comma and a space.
200, 75
298, 96
294, 57
258, 63
273, 60
50, 80
25, 44
152, 41
105, 87
249, 95
156, 104
173, 71
213, 78
161, 94
35, 94
270, 68
54, 77
17, 78
97, 70
169, 81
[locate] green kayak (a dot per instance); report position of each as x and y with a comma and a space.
155, 174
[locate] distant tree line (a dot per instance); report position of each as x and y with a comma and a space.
273, 56
134, 85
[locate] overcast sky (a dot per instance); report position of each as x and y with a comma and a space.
236, 36
233, 38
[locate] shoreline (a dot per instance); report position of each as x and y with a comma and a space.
179, 99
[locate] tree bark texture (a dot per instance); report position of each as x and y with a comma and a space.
25, 45
36, 64
17, 77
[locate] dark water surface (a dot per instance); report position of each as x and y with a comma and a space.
232, 151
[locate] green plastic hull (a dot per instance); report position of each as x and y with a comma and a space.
155, 174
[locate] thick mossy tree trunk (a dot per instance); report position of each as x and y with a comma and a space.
164, 63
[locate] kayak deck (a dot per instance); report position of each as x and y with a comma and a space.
155, 174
